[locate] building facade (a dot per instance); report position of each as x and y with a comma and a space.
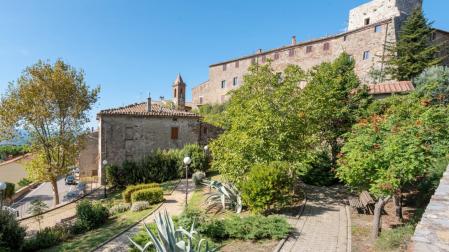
371, 26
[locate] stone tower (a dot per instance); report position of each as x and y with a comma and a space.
179, 93
379, 10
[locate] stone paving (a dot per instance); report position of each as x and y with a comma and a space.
174, 204
324, 223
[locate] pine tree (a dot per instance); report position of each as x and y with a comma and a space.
413, 51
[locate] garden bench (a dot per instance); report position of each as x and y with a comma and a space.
364, 203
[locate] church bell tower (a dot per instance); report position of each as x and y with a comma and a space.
179, 93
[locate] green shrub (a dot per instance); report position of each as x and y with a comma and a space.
12, 150
189, 217
199, 159
9, 191
46, 238
150, 195
198, 177
317, 170
11, 234
24, 182
396, 238
267, 185
119, 208
132, 188
215, 229
138, 206
90, 215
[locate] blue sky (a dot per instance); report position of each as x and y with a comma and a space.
131, 48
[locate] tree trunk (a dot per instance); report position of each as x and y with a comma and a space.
54, 185
378, 208
397, 199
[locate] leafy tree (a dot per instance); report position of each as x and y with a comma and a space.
394, 146
264, 122
413, 51
432, 85
50, 102
213, 114
36, 209
11, 233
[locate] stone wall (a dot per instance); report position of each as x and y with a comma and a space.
131, 138
355, 42
432, 232
88, 157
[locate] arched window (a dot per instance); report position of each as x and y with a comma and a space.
181, 93
174, 93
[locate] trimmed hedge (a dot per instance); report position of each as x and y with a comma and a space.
133, 188
151, 195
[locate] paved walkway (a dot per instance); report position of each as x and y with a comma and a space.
323, 225
174, 204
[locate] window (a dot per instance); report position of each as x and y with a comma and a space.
224, 67
378, 28
234, 81
223, 84
291, 52
433, 36
205, 130
326, 46
276, 56
201, 100
174, 133
308, 49
174, 93
367, 21
264, 58
237, 64
365, 55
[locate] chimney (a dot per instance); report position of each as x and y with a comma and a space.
294, 40
259, 51
149, 103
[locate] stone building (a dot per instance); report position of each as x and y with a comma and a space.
371, 25
88, 156
133, 131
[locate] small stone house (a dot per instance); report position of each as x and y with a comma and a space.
133, 131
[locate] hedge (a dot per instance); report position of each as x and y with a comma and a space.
151, 195
132, 188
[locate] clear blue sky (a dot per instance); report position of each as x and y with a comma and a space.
131, 48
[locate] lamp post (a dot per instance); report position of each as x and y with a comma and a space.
187, 162
105, 162
2, 189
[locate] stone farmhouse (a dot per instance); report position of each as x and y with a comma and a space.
371, 26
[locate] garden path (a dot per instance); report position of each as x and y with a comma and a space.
174, 204
324, 225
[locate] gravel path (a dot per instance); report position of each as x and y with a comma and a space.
324, 223
174, 204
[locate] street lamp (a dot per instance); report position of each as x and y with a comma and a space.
187, 162
2, 189
105, 162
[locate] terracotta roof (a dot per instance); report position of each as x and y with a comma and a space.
391, 87
140, 109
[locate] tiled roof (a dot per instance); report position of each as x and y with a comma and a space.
140, 109
391, 87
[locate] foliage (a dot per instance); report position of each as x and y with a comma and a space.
395, 146
158, 166
264, 123
90, 215
133, 188
36, 209
9, 191
151, 195
226, 196
51, 103
395, 239
267, 185
120, 208
213, 114
24, 182
198, 178
247, 228
11, 233
316, 170
191, 217
170, 239
414, 51
46, 238
138, 206
13, 150
433, 85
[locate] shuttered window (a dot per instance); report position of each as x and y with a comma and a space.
174, 133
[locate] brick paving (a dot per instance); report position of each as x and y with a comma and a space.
174, 204
323, 225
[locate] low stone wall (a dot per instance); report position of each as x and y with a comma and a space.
432, 232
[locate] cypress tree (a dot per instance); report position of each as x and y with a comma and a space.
414, 50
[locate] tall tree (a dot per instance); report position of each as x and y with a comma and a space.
414, 51
51, 102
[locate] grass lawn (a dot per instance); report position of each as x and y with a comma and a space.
92, 238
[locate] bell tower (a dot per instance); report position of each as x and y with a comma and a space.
179, 93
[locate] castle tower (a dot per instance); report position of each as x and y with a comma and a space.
380, 10
179, 93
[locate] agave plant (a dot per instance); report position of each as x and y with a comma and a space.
170, 239
226, 196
